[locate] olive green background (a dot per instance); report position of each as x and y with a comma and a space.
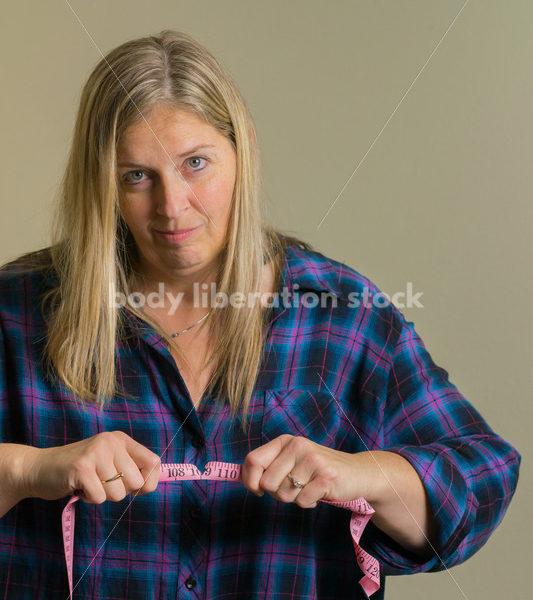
442, 198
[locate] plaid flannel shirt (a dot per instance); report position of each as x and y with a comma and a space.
215, 540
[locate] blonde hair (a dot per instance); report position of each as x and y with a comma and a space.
92, 249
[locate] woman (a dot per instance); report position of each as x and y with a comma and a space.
113, 363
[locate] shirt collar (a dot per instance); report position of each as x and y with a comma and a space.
51, 279
309, 270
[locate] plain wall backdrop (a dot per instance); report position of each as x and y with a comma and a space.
442, 198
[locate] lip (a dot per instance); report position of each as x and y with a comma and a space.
176, 236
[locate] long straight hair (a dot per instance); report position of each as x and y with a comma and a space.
93, 251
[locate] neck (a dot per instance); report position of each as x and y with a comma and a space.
183, 288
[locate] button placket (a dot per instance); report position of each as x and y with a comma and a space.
194, 523
194, 513
197, 442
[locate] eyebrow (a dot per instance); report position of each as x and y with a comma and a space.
190, 151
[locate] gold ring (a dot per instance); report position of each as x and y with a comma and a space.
295, 483
117, 476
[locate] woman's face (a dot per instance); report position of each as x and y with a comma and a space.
155, 199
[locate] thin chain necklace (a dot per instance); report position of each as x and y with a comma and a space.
173, 335
178, 333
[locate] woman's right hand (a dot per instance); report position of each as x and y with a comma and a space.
80, 467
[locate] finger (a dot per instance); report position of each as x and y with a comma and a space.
314, 486
91, 487
302, 460
258, 460
147, 462
133, 478
293, 459
321, 477
309, 495
150, 483
115, 490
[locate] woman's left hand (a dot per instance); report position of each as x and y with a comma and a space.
326, 473
386, 480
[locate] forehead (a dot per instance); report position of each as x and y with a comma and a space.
176, 126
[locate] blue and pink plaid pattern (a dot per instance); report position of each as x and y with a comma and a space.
215, 540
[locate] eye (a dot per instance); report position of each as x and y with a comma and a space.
133, 175
195, 158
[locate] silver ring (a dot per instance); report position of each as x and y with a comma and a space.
295, 483
117, 476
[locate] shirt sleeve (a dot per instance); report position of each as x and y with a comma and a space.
470, 473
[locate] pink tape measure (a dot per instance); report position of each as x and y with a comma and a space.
222, 471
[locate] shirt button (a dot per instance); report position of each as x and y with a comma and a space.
194, 512
197, 442
190, 583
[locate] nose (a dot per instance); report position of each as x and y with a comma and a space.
173, 195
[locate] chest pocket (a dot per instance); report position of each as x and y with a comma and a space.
306, 413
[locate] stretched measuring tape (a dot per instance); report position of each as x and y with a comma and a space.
222, 471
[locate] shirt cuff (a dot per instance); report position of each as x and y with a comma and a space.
453, 506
